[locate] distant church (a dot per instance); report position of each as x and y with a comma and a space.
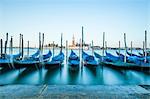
76, 45
73, 43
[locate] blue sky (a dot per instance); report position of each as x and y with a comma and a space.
54, 17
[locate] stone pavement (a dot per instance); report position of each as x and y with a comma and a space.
74, 91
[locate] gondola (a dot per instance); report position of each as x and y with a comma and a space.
126, 65
32, 62
55, 62
134, 64
89, 60
26, 63
137, 61
113, 58
111, 61
7, 61
120, 54
33, 56
131, 54
73, 61
135, 58
37, 53
142, 54
100, 58
44, 58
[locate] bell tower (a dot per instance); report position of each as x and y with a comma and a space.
73, 41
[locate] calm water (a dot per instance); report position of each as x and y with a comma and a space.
100, 76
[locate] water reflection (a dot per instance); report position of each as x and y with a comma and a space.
8, 76
100, 75
52, 76
73, 77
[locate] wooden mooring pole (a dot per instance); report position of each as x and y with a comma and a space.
1, 48
125, 48
66, 51
5, 51
22, 47
53, 49
82, 49
103, 46
28, 49
145, 47
92, 48
20, 37
119, 48
131, 48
